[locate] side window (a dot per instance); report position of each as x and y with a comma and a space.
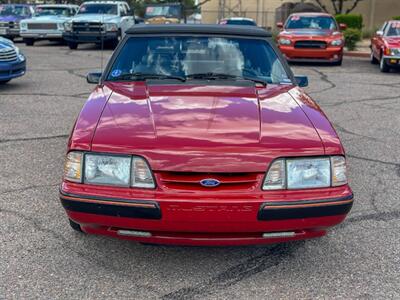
122, 10
128, 10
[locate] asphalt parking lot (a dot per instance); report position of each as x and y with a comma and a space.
41, 257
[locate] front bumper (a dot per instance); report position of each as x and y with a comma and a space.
90, 37
42, 34
9, 32
218, 222
10, 70
329, 54
392, 61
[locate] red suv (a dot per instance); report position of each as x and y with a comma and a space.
311, 37
385, 46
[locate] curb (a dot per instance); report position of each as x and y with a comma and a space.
357, 54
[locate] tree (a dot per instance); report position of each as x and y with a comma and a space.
340, 6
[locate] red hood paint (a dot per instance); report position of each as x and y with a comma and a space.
203, 128
392, 41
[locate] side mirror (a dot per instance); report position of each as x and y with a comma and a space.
379, 33
301, 80
342, 26
279, 25
93, 77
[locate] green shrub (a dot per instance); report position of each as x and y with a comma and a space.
396, 18
352, 21
369, 33
351, 37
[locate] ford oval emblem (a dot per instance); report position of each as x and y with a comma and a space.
210, 182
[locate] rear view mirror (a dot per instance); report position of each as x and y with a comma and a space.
342, 26
302, 81
279, 25
93, 77
379, 33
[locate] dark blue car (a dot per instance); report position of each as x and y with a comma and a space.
12, 61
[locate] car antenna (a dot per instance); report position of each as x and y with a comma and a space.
102, 41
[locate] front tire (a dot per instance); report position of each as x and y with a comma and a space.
338, 63
73, 45
29, 41
75, 226
4, 81
383, 66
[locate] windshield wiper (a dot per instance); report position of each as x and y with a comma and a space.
144, 76
215, 76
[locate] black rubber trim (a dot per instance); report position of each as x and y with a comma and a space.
112, 209
289, 212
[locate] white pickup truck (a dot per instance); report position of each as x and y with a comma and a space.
99, 22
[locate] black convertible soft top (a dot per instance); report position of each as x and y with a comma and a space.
199, 29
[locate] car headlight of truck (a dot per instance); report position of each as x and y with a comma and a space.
303, 173
111, 27
68, 26
337, 42
23, 26
394, 52
108, 169
284, 41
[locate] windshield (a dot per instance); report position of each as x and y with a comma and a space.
173, 11
191, 57
394, 29
311, 22
239, 22
52, 11
107, 9
13, 10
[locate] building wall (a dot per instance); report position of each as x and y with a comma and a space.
374, 12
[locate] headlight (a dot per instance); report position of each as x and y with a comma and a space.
24, 26
337, 42
108, 169
60, 26
394, 52
21, 57
68, 26
111, 27
284, 41
303, 173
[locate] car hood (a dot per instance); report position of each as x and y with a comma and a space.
11, 18
5, 43
46, 19
201, 128
393, 41
95, 18
309, 32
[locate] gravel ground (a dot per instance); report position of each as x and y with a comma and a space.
41, 257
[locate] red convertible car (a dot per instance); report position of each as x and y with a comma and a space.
311, 37
201, 135
385, 46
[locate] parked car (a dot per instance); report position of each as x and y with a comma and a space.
201, 135
12, 61
99, 22
311, 37
10, 17
47, 23
165, 13
385, 46
237, 21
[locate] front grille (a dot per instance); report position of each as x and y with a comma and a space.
310, 44
87, 27
4, 25
49, 26
8, 55
191, 180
